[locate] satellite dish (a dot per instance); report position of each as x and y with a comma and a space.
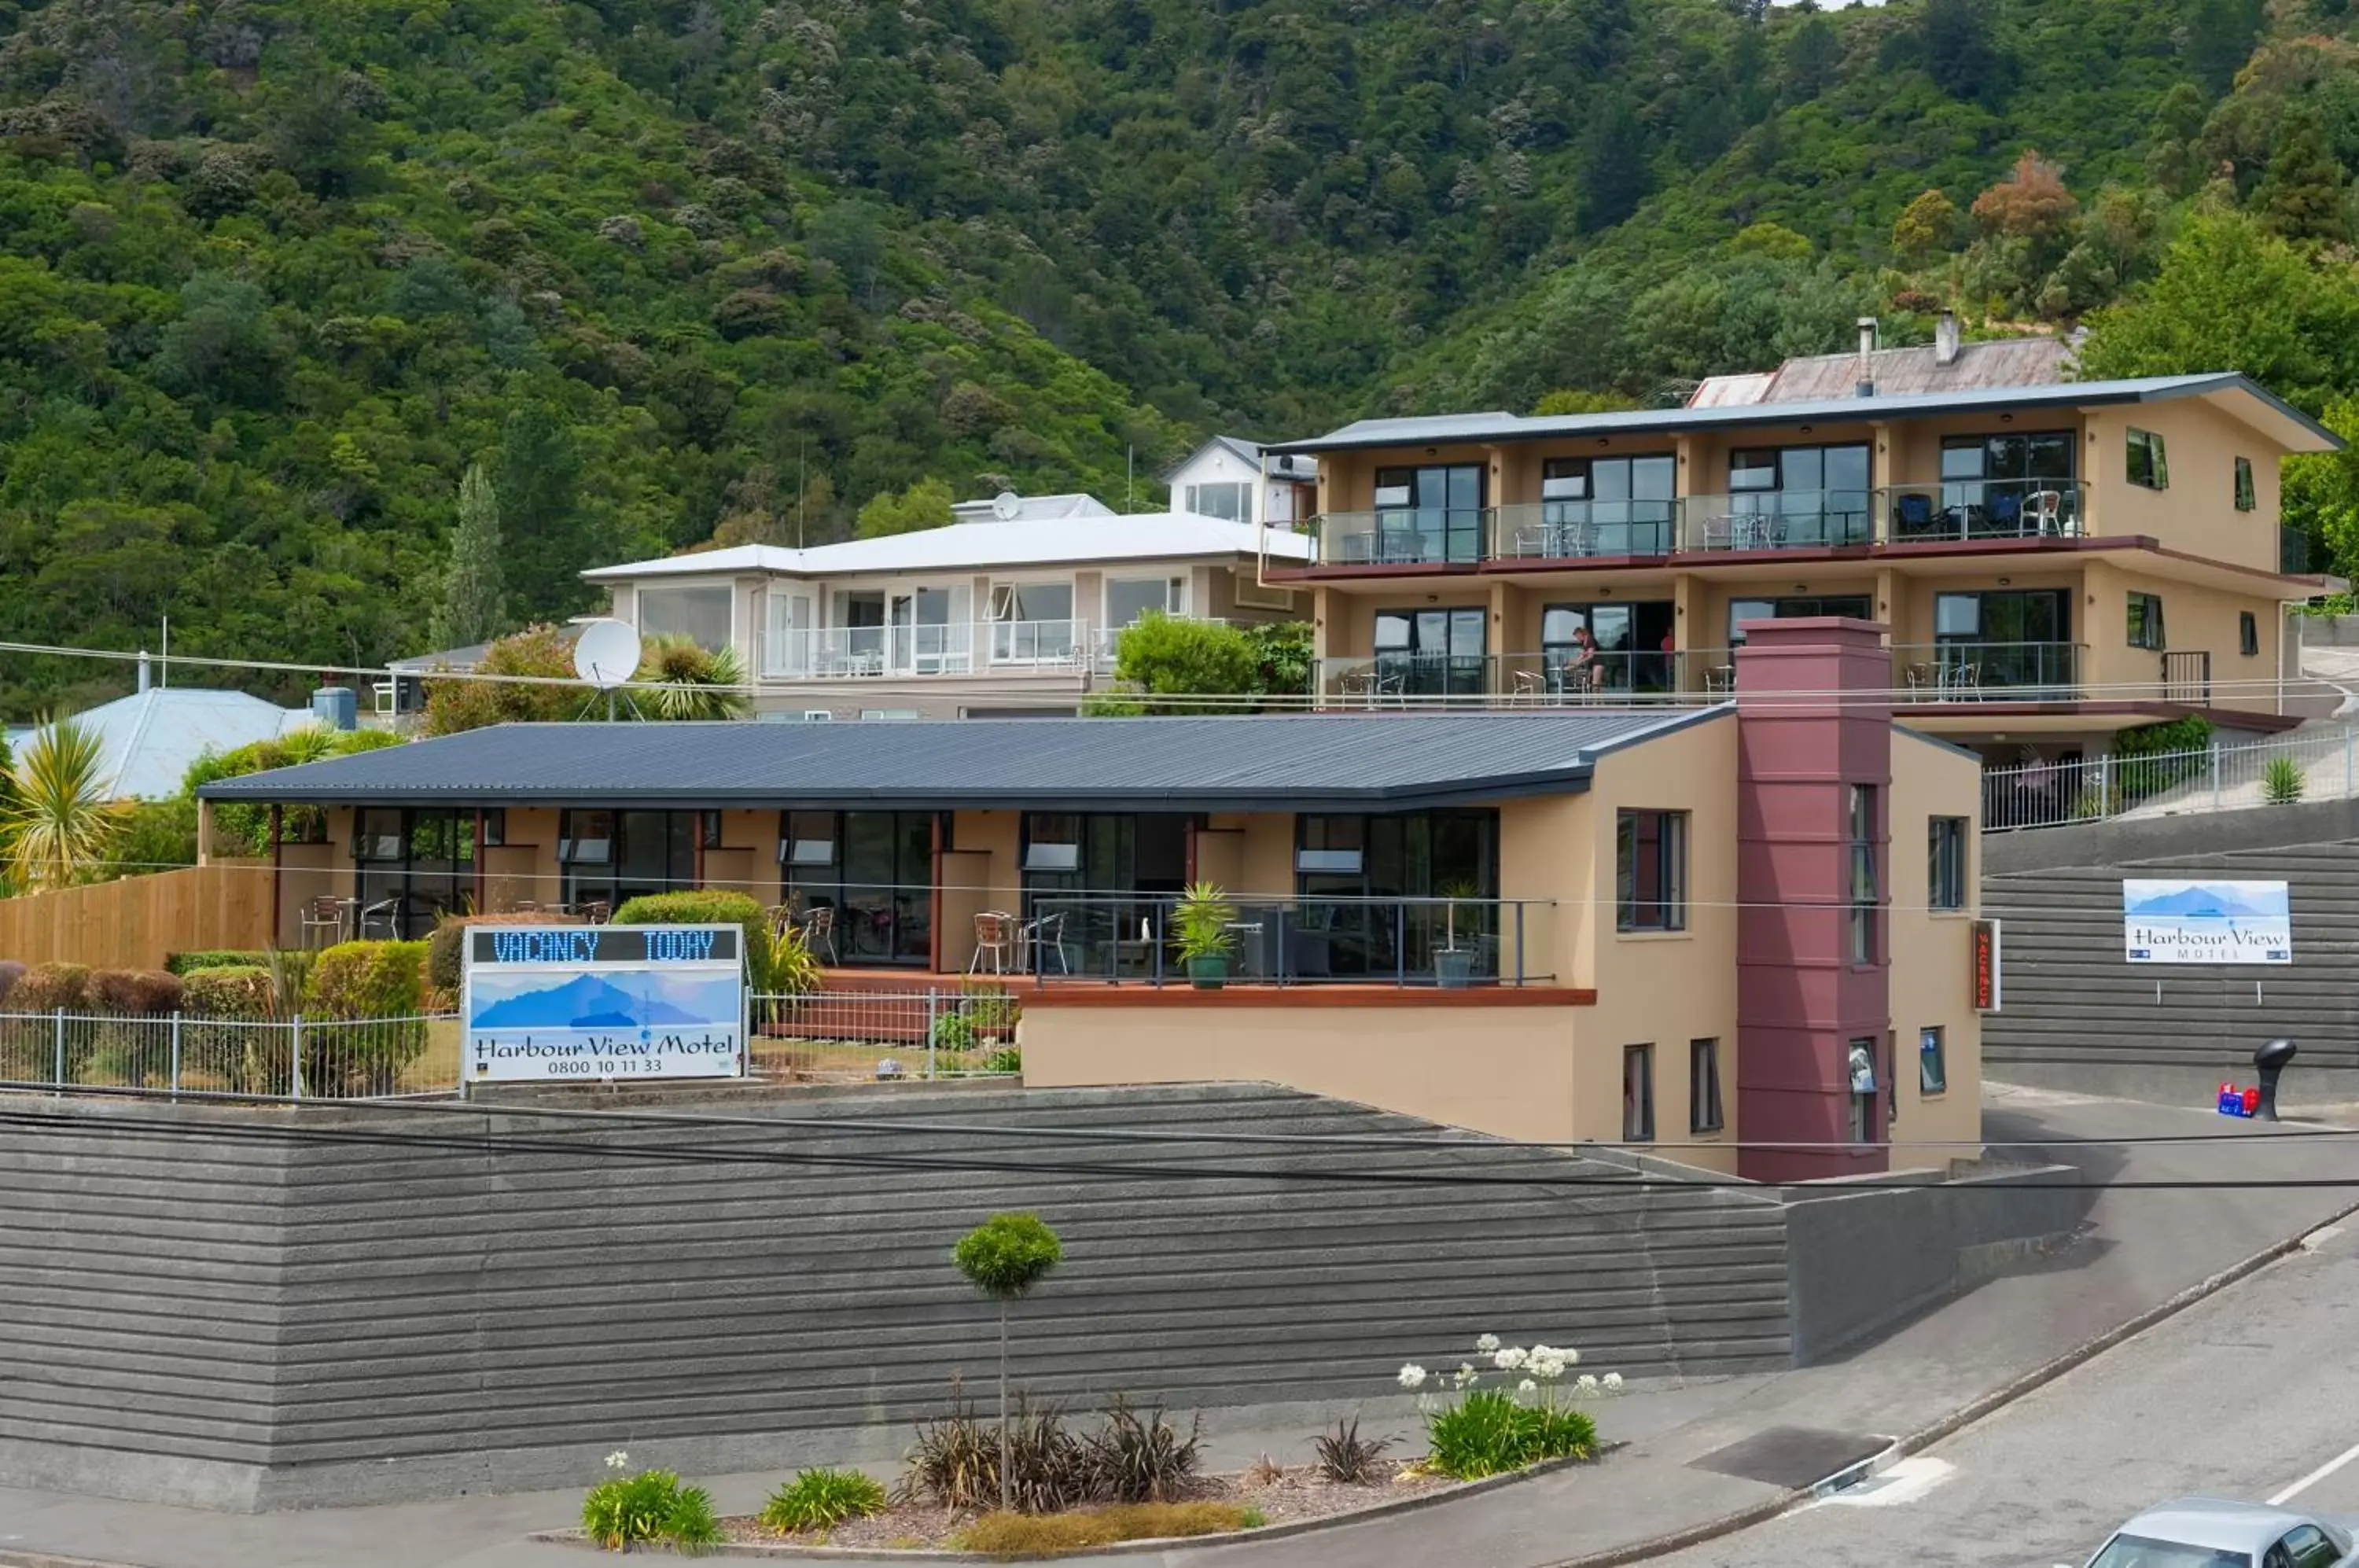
1007, 505
607, 654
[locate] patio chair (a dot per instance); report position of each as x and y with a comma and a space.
1912, 516
1720, 533
995, 939
325, 915
2043, 512
386, 914
818, 930
595, 911
1044, 938
1532, 538
2006, 513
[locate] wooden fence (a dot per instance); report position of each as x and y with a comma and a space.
133, 923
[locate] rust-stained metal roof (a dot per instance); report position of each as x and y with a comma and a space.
1896, 372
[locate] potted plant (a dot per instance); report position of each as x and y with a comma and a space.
1453, 966
1204, 916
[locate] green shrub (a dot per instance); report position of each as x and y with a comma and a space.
2282, 781
230, 991
794, 968
1010, 1535
212, 958
1006, 1059
155, 835
650, 1507
952, 1031
820, 1499
1486, 1432
709, 907
221, 1044
367, 980
2152, 757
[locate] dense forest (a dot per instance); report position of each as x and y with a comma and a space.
275, 274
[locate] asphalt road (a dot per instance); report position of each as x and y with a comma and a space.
2251, 1394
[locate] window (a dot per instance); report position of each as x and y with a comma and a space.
2306, 1546
1703, 1085
1624, 503
2019, 637
2246, 499
1946, 864
1430, 653
1630, 648
1818, 493
1637, 1094
1740, 611
495, 827
1932, 1063
1859, 1066
2140, 1551
1232, 501
2146, 621
378, 837
1052, 841
1650, 871
1864, 891
1334, 846
2148, 468
2248, 633
699, 614
585, 838
1129, 598
1032, 623
1434, 513
1996, 485
809, 839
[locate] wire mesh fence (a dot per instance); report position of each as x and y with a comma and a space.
288, 1059
2302, 765
869, 1036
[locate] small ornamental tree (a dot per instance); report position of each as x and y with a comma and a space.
1004, 1257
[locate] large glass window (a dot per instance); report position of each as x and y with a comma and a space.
411, 867
1858, 607
1128, 598
1102, 887
1800, 496
1607, 506
1032, 623
607, 856
2011, 639
1704, 1114
2247, 498
873, 870
1430, 653
1637, 1094
1627, 647
1932, 1061
1945, 854
2146, 622
1430, 513
1650, 871
1351, 873
2149, 468
1859, 1066
698, 613
1232, 501
2000, 485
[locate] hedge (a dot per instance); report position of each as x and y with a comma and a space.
51, 987
134, 993
215, 958
10, 973
368, 980
230, 991
709, 907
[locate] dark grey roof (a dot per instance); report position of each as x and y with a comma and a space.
1503, 426
1302, 762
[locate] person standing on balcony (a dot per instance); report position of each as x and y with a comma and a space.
1583, 673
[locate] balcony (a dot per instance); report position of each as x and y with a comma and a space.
1052, 644
1553, 677
1574, 530
1307, 939
852, 653
1777, 519
1987, 672
1400, 536
1961, 511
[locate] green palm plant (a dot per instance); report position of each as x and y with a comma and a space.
58, 821
692, 681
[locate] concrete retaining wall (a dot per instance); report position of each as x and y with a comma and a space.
257, 1324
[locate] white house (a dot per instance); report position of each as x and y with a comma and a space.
975, 619
1224, 478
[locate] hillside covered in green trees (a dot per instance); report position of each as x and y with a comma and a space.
274, 273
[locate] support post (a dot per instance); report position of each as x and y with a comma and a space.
57, 1076
176, 1054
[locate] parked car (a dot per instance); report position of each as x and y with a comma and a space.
2212, 1532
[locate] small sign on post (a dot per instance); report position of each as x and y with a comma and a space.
596, 1004
1986, 966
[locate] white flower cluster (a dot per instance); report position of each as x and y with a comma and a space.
617, 1459
1412, 1376
1541, 1364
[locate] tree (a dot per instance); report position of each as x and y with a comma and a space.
472, 592
2177, 159
2220, 36
59, 824
1579, 401
1811, 57
455, 702
2301, 195
1927, 227
1189, 664
1004, 1257
2031, 202
1614, 176
1283, 650
1960, 53
925, 504
536, 482
692, 682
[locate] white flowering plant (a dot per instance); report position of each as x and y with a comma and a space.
1531, 1416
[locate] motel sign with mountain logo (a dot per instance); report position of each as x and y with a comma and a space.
2183, 921
596, 1004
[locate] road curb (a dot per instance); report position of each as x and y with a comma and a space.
1968, 1413
10, 1558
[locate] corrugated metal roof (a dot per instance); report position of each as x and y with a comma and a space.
1910, 372
1340, 761
2258, 406
1730, 391
148, 739
980, 547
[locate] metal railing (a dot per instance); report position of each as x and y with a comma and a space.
2187, 678
2319, 765
886, 1035
271, 1059
1404, 536
1311, 939
845, 653
1987, 672
1777, 519
1572, 531
1556, 677
1966, 510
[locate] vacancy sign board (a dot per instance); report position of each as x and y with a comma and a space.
2183, 921
574, 1003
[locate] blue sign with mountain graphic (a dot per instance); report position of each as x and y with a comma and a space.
601, 1002
2188, 921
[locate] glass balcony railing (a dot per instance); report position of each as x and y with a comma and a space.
1405, 679
1777, 519
1310, 939
1039, 642
1988, 672
1962, 510
850, 652
1573, 531
1408, 535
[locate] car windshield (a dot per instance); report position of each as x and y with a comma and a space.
2138, 1551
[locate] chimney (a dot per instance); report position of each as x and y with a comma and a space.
1867, 388
1945, 339
147, 674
